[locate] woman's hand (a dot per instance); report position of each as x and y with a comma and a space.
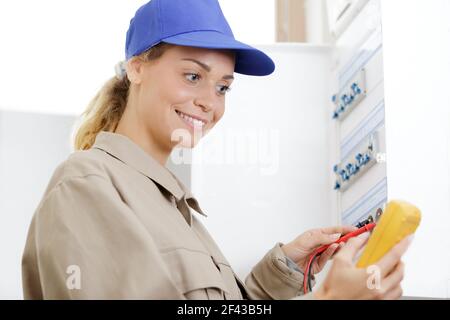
303, 246
345, 281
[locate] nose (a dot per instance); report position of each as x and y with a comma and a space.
206, 100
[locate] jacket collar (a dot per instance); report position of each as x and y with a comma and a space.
125, 150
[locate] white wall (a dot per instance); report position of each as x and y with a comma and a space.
251, 206
56, 55
417, 73
31, 146
59, 53
316, 22
252, 21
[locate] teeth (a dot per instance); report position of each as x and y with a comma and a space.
195, 122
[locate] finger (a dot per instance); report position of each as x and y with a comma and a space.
339, 229
394, 294
340, 246
316, 238
326, 255
391, 259
394, 279
351, 248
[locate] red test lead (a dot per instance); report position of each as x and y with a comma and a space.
320, 250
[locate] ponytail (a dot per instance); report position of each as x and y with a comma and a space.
106, 109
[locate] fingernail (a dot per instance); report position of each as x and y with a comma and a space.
335, 236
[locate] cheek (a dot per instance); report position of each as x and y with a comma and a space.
162, 99
218, 113
167, 90
147, 106
173, 91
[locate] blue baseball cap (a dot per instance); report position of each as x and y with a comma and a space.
193, 23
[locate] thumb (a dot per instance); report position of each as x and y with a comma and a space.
351, 248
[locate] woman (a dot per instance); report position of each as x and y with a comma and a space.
114, 223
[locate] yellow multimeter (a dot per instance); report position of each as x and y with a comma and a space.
399, 220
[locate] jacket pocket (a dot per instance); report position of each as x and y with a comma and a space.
195, 274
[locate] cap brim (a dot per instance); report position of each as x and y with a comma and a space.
249, 60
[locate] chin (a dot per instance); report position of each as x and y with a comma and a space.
189, 144
182, 138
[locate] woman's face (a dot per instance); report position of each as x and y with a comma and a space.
181, 95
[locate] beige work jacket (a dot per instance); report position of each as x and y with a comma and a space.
115, 224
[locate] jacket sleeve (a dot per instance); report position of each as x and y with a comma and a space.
273, 278
86, 243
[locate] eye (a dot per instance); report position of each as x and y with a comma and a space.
223, 89
192, 77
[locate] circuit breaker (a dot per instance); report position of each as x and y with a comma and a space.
357, 114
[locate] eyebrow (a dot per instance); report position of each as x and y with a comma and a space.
208, 68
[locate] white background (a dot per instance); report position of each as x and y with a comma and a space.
55, 55
417, 78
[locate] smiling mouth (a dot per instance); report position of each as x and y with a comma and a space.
192, 122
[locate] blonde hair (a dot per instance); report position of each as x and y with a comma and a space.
106, 109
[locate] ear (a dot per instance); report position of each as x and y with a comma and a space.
135, 70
